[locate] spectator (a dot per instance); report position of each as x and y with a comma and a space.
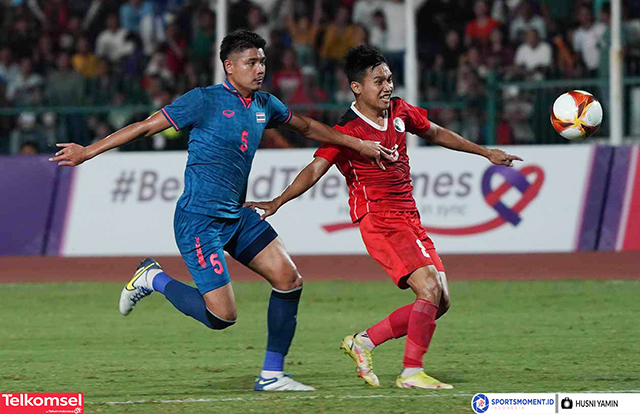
132, 13
54, 15
477, 31
118, 117
566, 61
44, 55
533, 57
378, 33
64, 86
435, 17
363, 11
256, 21
70, 35
175, 50
289, 78
555, 11
452, 51
204, 38
524, 21
85, 62
394, 11
339, 36
112, 43
26, 87
27, 131
303, 32
500, 54
157, 67
21, 37
9, 70
28, 148
309, 92
586, 40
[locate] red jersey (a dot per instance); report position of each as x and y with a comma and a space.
370, 188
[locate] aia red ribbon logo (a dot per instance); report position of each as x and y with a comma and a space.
228, 113
528, 181
41, 403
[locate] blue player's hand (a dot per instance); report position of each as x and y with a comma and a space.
269, 207
375, 151
70, 155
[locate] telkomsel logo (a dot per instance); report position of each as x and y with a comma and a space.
41, 403
480, 403
512, 179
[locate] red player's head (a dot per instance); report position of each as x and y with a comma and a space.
369, 76
243, 59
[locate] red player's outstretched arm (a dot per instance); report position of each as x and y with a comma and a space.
449, 139
303, 181
74, 154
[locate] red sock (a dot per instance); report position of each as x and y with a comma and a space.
393, 326
422, 323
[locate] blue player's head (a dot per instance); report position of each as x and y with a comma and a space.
243, 59
370, 78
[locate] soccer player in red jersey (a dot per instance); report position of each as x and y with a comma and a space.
383, 206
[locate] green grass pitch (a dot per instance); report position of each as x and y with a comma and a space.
498, 337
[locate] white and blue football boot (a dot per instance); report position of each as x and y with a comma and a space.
283, 383
140, 285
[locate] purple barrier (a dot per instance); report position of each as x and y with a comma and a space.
29, 185
595, 199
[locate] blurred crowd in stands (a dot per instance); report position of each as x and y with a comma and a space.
76, 70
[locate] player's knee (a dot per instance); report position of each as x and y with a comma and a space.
289, 279
222, 320
425, 285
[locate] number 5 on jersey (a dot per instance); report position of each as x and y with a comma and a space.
244, 145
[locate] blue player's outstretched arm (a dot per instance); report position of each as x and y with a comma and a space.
320, 132
73, 154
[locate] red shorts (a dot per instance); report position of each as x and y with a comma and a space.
397, 240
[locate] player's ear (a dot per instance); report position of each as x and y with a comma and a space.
356, 87
228, 66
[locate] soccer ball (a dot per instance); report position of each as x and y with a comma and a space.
576, 115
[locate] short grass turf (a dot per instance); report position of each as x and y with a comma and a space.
498, 337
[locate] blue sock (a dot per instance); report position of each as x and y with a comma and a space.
281, 321
160, 282
189, 301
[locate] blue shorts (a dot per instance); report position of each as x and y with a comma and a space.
202, 241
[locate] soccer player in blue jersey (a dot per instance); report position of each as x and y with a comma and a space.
226, 123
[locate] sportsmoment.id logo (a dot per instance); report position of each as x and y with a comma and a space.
588, 403
524, 403
41, 403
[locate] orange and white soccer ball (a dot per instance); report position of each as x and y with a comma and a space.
576, 115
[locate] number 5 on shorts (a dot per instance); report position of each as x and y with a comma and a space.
217, 266
422, 249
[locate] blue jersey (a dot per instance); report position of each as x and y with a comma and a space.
225, 133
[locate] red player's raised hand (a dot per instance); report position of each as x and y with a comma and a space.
500, 157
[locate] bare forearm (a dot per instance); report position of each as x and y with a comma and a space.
118, 138
320, 132
449, 139
303, 181
143, 129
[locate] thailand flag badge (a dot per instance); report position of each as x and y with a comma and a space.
261, 117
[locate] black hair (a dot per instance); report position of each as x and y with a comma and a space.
239, 41
361, 59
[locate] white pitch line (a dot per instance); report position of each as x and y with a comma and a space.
292, 397
328, 397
